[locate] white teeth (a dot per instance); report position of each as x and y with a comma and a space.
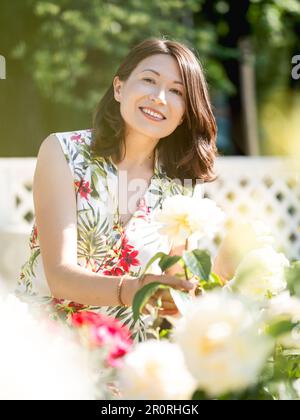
153, 114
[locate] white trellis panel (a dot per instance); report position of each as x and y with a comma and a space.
266, 188
16, 215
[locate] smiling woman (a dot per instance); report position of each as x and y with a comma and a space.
162, 77
153, 126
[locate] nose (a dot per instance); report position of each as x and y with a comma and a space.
159, 97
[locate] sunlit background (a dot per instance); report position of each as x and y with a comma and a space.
57, 58
61, 56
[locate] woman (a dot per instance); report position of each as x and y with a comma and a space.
153, 127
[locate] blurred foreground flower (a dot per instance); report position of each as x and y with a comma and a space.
286, 308
183, 216
261, 274
220, 339
100, 331
156, 370
39, 359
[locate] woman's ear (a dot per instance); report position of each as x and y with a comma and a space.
117, 84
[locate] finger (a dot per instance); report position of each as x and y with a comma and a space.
165, 312
163, 295
168, 305
173, 281
178, 283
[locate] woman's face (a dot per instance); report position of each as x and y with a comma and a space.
155, 86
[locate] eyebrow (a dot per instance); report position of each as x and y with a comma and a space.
156, 72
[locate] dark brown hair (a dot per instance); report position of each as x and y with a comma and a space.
190, 151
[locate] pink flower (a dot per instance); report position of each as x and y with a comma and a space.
77, 138
84, 318
105, 331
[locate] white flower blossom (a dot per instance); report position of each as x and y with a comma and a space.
155, 370
38, 359
219, 336
182, 216
296, 386
286, 307
261, 274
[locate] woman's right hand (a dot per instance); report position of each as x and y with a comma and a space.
167, 306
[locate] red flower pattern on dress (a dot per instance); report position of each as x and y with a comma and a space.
77, 138
83, 188
128, 259
143, 210
123, 256
115, 271
33, 239
60, 305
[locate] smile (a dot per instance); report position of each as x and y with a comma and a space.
152, 115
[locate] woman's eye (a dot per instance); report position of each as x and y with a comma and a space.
147, 79
178, 92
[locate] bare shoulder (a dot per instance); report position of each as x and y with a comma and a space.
49, 147
52, 170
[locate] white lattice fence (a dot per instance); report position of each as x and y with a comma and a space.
16, 214
264, 188
267, 188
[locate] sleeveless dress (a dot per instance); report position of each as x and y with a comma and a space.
104, 245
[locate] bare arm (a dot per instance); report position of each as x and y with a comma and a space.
56, 219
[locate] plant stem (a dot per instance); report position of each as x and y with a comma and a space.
185, 267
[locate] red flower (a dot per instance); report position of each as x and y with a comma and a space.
77, 138
125, 245
114, 271
60, 305
84, 317
105, 331
83, 188
34, 236
128, 259
76, 306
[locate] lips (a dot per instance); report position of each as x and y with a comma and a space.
142, 108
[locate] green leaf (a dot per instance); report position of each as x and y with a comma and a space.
280, 327
164, 333
293, 278
198, 262
154, 258
213, 282
199, 395
168, 261
143, 295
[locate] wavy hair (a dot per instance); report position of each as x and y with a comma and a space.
189, 151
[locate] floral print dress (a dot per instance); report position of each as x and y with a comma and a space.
104, 244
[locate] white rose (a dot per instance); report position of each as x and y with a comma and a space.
220, 340
182, 216
261, 274
155, 370
286, 307
296, 386
40, 360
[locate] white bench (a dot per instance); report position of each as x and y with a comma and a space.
267, 188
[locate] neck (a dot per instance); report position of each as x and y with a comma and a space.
139, 153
